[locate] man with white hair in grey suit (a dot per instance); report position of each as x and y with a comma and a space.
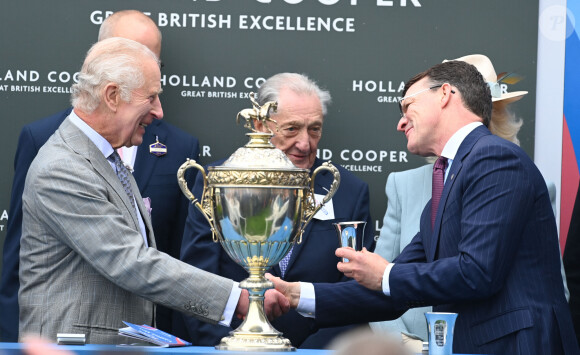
88, 259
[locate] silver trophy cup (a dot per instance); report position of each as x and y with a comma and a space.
350, 234
257, 204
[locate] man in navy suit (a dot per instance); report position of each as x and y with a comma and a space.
491, 254
155, 176
301, 109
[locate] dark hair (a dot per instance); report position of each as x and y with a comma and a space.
468, 81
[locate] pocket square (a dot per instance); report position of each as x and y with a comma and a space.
147, 203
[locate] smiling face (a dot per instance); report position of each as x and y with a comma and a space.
132, 117
420, 121
300, 120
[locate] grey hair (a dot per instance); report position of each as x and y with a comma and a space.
114, 60
298, 83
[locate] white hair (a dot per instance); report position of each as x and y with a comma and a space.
298, 83
113, 60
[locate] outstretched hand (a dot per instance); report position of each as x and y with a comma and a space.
275, 304
365, 267
291, 290
243, 305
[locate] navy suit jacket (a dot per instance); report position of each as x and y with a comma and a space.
312, 260
155, 176
572, 264
492, 257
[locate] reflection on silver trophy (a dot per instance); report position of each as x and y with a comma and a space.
350, 234
441, 326
257, 204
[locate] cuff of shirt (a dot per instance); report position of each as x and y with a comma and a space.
307, 302
386, 288
231, 305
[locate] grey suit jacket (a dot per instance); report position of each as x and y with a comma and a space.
407, 193
84, 264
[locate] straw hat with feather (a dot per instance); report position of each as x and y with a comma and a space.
485, 67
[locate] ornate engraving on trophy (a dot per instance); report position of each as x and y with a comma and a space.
257, 204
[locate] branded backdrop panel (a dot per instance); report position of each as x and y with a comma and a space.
216, 52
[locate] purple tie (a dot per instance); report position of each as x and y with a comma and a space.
438, 180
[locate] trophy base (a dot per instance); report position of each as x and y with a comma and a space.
254, 343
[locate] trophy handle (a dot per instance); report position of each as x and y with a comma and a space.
310, 207
205, 206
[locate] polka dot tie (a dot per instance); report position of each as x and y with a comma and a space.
284, 262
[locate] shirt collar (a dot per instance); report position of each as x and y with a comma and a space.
102, 144
452, 145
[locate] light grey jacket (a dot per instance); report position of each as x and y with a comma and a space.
84, 266
408, 192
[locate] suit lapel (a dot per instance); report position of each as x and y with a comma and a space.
464, 150
145, 162
298, 247
82, 145
323, 180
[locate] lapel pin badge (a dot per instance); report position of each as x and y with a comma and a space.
158, 148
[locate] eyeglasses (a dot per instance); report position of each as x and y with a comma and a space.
417, 93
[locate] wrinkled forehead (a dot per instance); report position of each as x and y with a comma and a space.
299, 106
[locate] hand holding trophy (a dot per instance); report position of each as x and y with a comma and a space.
257, 204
